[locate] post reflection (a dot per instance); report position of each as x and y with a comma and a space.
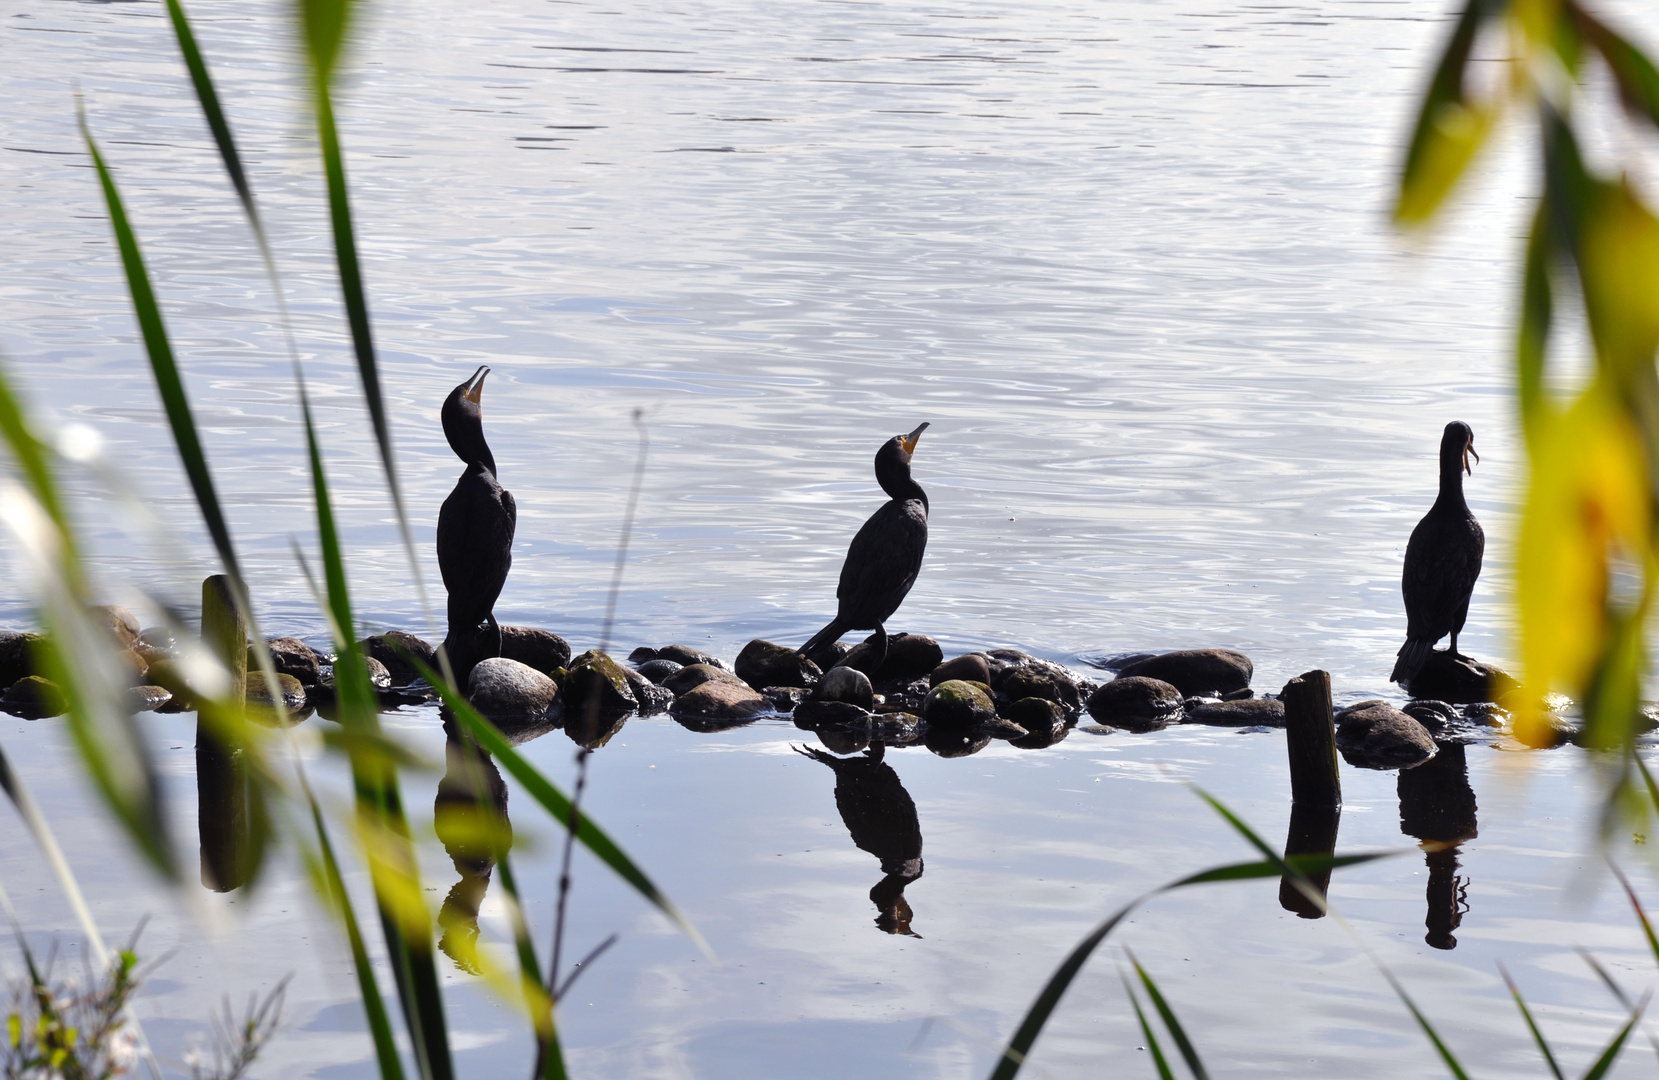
881, 818
224, 823
1312, 832
1437, 806
470, 814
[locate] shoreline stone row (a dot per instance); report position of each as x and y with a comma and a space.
953, 706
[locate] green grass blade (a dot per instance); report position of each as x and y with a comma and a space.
1440, 1046
209, 99
1637, 78
1157, 1051
548, 1049
1611, 1054
1532, 1025
1176, 1032
374, 1008
162, 365
1636, 905
31, 457
555, 801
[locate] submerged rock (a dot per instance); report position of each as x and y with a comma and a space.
846, 684
784, 698
384, 648
817, 714
598, 683
958, 704
692, 676
970, 667
687, 656
1000, 727
291, 656
720, 699
504, 689
895, 729
1249, 712
1136, 703
1196, 671
33, 698
1045, 722
291, 689
652, 698
541, 649
17, 655
659, 670
1461, 681
1376, 735
762, 664
146, 698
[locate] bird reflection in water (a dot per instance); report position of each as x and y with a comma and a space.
881, 817
470, 815
1437, 806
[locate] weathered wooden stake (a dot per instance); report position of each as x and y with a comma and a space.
1310, 736
221, 771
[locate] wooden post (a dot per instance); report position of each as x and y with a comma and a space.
223, 825
1315, 786
1310, 737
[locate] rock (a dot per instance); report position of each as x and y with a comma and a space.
384, 649
1044, 722
1461, 681
784, 698
1239, 695
596, 682
118, 621
33, 697
17, 655
958, 704
902, 697
155, 643
541, 649
1251, 712
1039, 680
291, 656
694, 675
815, 715
720, 699
379, 677
134, 665
949, 742
1376, 735
895, 729
834, 652
293, 692
1438, 718
166, 674
1115, 662
146, 698
846, 684
763, 664
686, 656
844, 738
1136, 703
910, 656
641, 655
504, 689
998, 727
972, 667
652, 698
1196, 671
658, 670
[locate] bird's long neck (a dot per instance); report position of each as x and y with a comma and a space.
1451, 478
471, 448
900, 486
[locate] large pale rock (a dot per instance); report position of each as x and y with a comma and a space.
958, 704
1136, 703
541, 649
504, 689
762, 664
846, 684
1197, 672
120, 623
1376, 735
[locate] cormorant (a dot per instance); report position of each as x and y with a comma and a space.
881, 818
885, 556
1442, 560
475, 534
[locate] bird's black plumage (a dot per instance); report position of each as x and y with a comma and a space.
1442, 560
886, 555
475, 534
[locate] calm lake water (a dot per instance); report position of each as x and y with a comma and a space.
1132, 262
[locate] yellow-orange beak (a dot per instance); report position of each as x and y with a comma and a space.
909, 441
475, 385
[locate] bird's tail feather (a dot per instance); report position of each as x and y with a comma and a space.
827, 635
1412, 656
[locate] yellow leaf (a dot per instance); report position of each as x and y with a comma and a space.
1619, 268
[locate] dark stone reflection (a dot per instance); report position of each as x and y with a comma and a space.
223, 814
1437, 806
881, 817
470, 815
1312, 832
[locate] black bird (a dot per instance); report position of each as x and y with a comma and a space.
475, 534
1442, 560
881, 818
885, 556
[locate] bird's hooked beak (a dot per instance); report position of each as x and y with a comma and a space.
1469, 448
909, 441
475, 385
